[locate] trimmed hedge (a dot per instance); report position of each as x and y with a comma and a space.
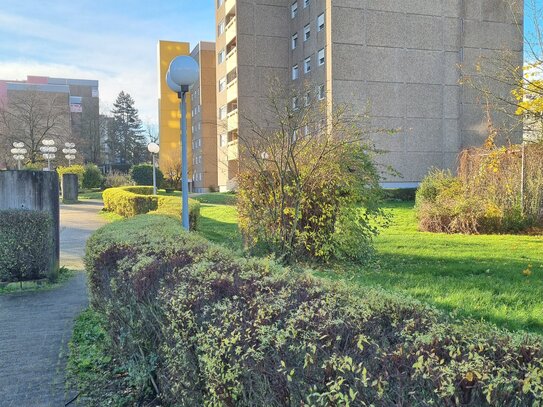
191, 324
26, 248
137, 200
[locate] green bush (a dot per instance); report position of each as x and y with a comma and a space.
26, 248
76, 169
115, 179
92, 177
138, 200
191, 324
400, 194
143, 175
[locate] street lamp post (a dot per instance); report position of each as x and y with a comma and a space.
18, 152
183, 73
48, 151
69, 152
154, 149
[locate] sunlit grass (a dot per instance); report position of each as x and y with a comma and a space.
476, 276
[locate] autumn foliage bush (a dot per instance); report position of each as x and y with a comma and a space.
191, 324
488, 196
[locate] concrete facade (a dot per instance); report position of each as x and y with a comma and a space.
399, 59
204, 126
34, 190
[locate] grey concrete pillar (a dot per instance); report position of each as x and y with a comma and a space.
70, 188
34, 190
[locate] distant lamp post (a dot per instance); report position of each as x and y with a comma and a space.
48, 151
154, 149
18, 152
183, 73
69, 152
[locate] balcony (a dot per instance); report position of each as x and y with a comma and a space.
232, 120
228, 5
232, 60
231, 30
232, 150
232, 91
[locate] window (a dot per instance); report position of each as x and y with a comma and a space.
222, 113
294, 41
295, 72
321, 57
220, 28
307, 65
295, 103
321, 92
220, 3
306, 3
223, 139
294, 9
307, 32
222, 84
307, 99
320, 22
221, 56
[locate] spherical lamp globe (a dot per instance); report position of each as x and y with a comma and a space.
153, 148
184, 71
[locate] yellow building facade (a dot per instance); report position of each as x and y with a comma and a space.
168, 110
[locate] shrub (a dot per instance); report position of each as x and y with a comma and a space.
26, 248
192, 325
115, 179
138, 200
400, 194
92, 177
76, 169
143, 175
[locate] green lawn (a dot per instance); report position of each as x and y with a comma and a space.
477, 276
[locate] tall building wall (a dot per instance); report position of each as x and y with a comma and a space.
168, 109
398, 59
204, 119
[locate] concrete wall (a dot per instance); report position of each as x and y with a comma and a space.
402, 60
34, 190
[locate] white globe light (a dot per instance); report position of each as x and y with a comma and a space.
171, 84
153, 148
184, 71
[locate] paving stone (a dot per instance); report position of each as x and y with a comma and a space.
36, 326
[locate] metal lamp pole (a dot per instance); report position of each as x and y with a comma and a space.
183, 73
153, 149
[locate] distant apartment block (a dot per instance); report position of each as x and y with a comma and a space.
80, 97
400, 58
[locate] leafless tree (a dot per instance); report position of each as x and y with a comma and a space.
31, 117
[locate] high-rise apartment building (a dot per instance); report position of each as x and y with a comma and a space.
168, 109
400, 58
204, 120
201, 116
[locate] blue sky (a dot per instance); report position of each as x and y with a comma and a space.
113, 41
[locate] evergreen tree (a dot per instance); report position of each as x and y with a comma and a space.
127, 140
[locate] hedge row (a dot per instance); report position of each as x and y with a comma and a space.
190, 324
26, 248
138, 200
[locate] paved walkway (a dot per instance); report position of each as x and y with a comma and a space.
36, 326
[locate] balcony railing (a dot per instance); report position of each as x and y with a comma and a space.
232, 150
